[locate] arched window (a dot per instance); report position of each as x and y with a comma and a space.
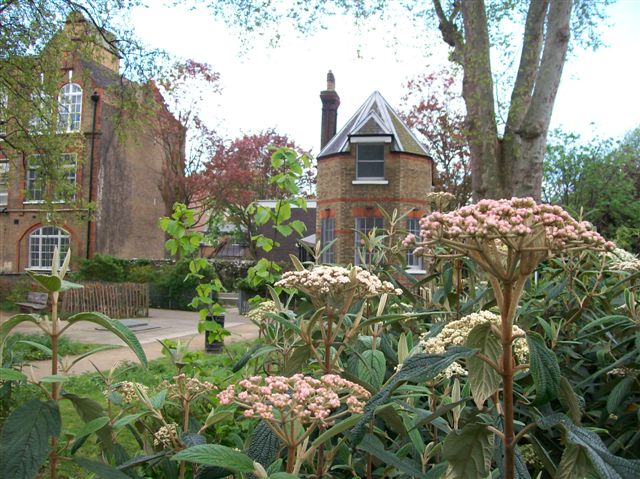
42, 242
69, 108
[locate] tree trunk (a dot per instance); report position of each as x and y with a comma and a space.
511, 165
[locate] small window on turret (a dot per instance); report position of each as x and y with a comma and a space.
369, 161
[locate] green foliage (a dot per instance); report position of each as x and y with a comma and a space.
483, 379
25, 436
544, 369
469, 452
115, 327
216, 455
600, 178
20, 351
103, 268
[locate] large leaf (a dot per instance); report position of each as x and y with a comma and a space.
544, 369
574, 463
100, 469
373, 446
619, 394
264, 444
11, 375
417, 368
483, 379
372, 368
88, 410
216, 455
116, 327
608, 465
12, 322
25, 436
468, 452
48, 282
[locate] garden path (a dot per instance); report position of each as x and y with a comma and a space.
162, 324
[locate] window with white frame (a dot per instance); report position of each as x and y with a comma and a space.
328, 231
364, 226
4, 182
369, 161
41, 114
42, 243
413, 262
69, 108
34, 183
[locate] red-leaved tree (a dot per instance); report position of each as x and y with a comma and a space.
237, 175
433, 107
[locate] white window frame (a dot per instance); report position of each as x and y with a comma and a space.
42, 242
4, 182
31, 178
70, 108
415, 263
328, 234
41, 105
359, 162
364, 225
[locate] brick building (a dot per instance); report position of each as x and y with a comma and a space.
373, 162
119, 172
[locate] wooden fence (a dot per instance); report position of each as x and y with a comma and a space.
116, 300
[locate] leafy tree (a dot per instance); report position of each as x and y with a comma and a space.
36, 41
503, 163
600, 178
187, 141
240, 173
433, 107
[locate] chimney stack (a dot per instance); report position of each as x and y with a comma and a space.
330, 103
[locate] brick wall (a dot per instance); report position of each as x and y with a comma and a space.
409, 180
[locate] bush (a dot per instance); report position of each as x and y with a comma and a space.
103, 268
231, 271
170, 289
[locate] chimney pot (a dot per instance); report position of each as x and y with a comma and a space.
331, 81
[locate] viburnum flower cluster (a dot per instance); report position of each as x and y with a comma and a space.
497, 227
455, 333
187, 388
280, 399
129, 391
260, 313
335, 282
622, 260
166, 435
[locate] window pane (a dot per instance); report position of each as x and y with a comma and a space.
328, 235
369, 161
42, 243
69, 108
4, 182
364, 225
413, 227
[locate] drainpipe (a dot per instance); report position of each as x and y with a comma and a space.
94, 98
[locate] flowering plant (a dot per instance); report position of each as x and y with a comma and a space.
508, 239
294, 407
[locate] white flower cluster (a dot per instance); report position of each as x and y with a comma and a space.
128, 390
186, 387
455, 334
165, 435
622, 260
325, 282
260, 312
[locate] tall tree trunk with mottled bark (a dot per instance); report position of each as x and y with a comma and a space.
510, 164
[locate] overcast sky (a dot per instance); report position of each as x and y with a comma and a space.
279, 87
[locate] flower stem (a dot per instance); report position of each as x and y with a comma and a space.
507, 381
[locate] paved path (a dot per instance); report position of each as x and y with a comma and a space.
162, 324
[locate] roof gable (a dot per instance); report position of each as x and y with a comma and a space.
375, 117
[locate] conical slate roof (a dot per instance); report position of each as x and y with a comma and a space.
375, 118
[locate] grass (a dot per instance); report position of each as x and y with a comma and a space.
213, 368
17, 351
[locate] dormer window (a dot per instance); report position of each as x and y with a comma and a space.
369, 161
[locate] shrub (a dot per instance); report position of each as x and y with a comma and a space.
103, 268
171, 290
